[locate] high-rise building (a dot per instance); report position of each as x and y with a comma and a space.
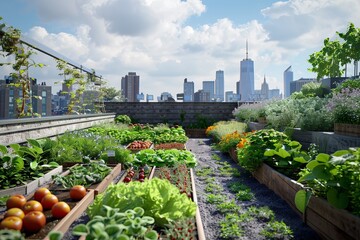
295, 86
274, 93
288, 78
201, 96
188, 91
209, 86
130, 85
246, 85
230, 96
219, 86
9, 94
264, 90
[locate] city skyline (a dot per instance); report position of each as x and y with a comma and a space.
165, 43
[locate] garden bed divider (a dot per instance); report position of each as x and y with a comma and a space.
108, 179
74, 214
199, 225
329, 222
33, 185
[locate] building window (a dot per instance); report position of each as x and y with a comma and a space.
11, 92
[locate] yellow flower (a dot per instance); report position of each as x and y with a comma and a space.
242, 142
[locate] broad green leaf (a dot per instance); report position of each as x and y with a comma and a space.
294, 144
3, 149
18, 163
151, 235
321, 172
312, 164
337, 199
15, 147
33, 165
302, 198
323, 157
300, 159
337, 160
283, 153
307, 177
341, 153
55, 235
34, 143
269, 153
80, 230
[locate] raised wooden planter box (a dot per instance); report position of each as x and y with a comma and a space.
74, 214
100, 187
195, 133
33, 185
329, 222
347, 129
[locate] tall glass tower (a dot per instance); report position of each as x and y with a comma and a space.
219, 86
288, 78
246, 85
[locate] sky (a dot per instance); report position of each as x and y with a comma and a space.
165, 41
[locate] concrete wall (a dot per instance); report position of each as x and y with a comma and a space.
18, 130
184, 113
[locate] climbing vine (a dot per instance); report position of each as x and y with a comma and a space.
12, 46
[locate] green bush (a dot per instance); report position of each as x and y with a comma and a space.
123, 119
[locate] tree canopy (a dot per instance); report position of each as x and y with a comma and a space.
332, 58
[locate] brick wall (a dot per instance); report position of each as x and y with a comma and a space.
186, 114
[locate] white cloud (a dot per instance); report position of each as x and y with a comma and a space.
150, 37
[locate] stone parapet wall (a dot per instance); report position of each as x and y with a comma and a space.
184, 113
18, 130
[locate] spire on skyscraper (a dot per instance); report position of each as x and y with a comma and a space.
247, 52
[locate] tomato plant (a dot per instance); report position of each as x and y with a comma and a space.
34, 221
16, 201
32, 205
11, 222
60, 210
40, 193
16, 212
77, 192
49, 200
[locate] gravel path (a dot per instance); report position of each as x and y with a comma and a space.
209, 158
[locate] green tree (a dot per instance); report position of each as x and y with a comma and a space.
333, 57
112, 95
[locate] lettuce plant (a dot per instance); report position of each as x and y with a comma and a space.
159, 198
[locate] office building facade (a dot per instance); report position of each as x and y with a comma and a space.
188, 91
246, 84
288, 78
219, 86
130, 86
209, 86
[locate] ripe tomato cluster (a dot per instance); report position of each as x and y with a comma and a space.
28, 216
131, 173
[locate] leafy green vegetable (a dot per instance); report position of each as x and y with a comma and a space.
159, 199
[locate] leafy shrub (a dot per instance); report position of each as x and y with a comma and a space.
336, 178
250, 112
314, 89
229, 141
350, 84
251, 153
345, 106
122, 119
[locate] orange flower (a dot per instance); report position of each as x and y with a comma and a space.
209, 129
242, 142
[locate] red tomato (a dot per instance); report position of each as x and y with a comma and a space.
11, 222
15, 212
77, 192
32, 205
60, 210
49, 200
34, 221
15, 201
40, 193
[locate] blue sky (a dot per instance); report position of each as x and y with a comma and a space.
167, 41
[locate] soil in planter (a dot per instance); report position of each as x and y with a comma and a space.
179, 146
208, 158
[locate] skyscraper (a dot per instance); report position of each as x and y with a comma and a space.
264, 90
208, 86
188, 91
219, 86
246, 84
288, 78
130, 85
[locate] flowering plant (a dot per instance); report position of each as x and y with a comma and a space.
229, 141
345, 106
